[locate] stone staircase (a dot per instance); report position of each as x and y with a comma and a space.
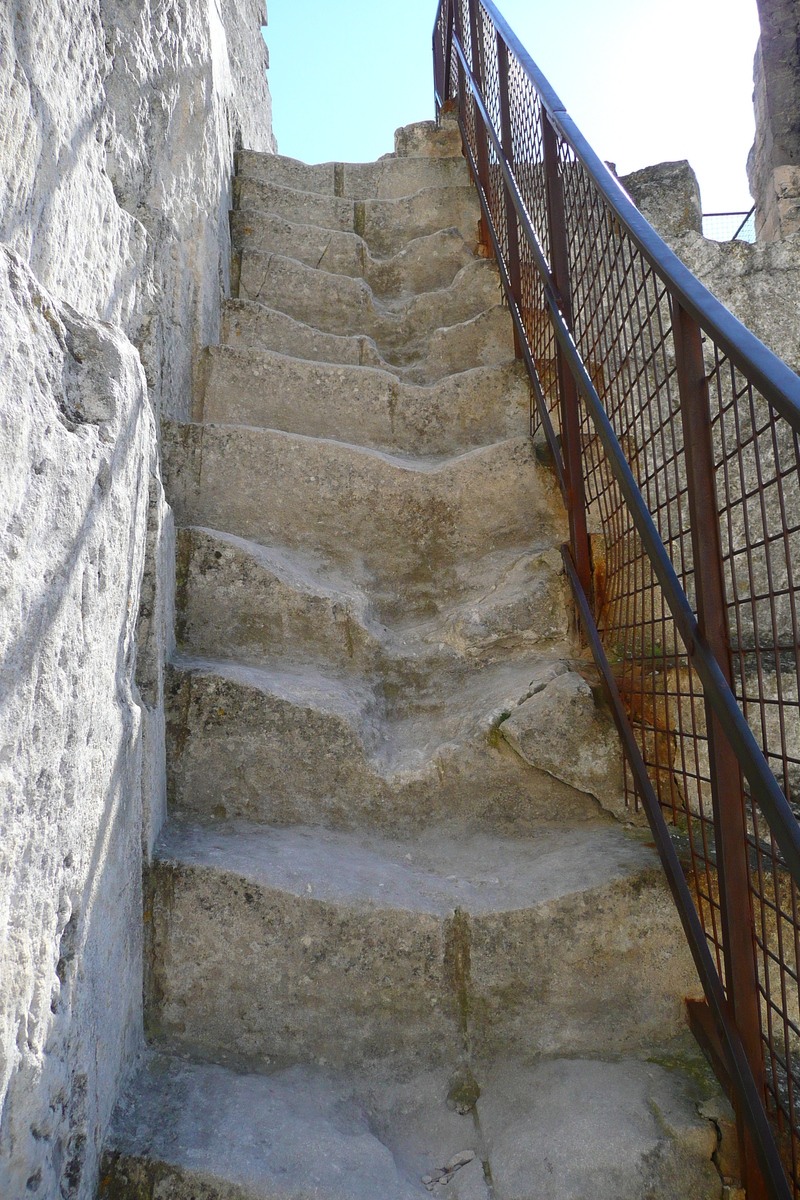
385, 952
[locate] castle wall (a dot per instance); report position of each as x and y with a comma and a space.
773, 166
119, 122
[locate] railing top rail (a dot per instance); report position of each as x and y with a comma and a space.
773, 378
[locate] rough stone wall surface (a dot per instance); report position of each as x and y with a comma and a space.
78, 456
120, 120
773, 166
668, 195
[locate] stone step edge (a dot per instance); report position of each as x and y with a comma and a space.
259, 214
359, 284
347, 200
374, 872
353, 703
391, 156
415, 464
398, 371
384, 374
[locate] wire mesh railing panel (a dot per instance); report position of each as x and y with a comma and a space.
757, 463
690, 477
623, 328
730, 226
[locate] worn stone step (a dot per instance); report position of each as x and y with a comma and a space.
385, 225
235, 733
251, 323
254, 604
363, 405
290, 742
389, 178
560, 1129
485, 340
343, 305
407, 530
480, 341
326, 249
299, 207
425, 264
249, 603
271, 946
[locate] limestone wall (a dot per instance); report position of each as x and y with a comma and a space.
119, 122
773, 166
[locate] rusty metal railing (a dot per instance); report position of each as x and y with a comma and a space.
675, 436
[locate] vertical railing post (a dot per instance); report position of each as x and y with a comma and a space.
568, 392
476, 47
727, 792
448, 50
458, 31
507, 139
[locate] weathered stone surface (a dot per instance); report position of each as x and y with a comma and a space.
484, 340
119, 124
526, 605
155, 638
774, 162
411, 526
116, 166
293, 945
385, 225
425, 138
292, 204
200, 1131
288, 744
375, 876
610, 1130
364, 405
425, 264
668, 195
244, 602
759, 283
389, 178
77, 465
325, 249
561, 729
248, 603
251, 323
339, 303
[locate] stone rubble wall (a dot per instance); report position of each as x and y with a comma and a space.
773, 166
120, 120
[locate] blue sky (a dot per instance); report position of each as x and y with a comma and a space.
646, 80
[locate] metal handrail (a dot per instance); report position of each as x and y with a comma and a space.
692, 305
